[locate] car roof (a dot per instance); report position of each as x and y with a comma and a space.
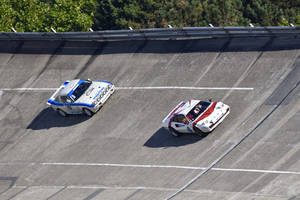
68, 88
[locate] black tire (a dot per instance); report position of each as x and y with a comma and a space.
198, 131
87, 112
174, 132
61, 113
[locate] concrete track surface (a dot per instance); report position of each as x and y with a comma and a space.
121, 153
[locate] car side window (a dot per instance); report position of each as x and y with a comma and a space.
180, 119
57, 99
69, 100
64, 99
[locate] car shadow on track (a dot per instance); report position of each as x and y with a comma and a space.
48, 118
7, 179
162, 138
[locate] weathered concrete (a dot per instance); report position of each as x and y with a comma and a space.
122, 152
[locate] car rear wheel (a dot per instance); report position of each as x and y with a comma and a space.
61, 112
174, 132
87, 112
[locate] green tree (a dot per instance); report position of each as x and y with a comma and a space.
71, 15
120, 14
272, 12
22, 15
224, 13
180, 13
37, 15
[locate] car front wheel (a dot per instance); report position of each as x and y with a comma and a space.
199, 132
87, 112
61, 112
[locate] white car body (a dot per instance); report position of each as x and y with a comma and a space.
78, 96
195, 116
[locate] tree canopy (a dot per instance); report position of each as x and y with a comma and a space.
37, 15
80, 15
120, 14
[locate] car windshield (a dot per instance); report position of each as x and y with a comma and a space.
197, 110
80, 90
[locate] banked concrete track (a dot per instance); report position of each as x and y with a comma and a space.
121, 152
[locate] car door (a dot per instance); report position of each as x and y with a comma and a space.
180, 124
66, 104
72, 106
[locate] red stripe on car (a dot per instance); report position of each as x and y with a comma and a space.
176, 109
205, 114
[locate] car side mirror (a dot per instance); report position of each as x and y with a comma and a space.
210, 100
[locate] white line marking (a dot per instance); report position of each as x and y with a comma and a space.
27, 89
257, 171
183, 88
134, 88
98, 187
122, 165
121, 188
151, 166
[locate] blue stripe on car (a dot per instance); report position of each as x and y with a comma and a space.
55, 103
72, 104
105, 82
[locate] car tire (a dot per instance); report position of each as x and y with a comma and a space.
174, 132
198, 131
61, 113
87, 112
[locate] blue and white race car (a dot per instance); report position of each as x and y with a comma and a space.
80, 97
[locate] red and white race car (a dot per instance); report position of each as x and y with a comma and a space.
195, 116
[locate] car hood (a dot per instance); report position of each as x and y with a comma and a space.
212, 114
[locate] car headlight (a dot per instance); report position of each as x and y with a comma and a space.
205, 123
220, 106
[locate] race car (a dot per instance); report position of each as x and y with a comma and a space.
80, 97
195, 116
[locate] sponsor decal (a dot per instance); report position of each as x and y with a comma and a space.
89, 92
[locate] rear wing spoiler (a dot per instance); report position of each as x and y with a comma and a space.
54, 95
